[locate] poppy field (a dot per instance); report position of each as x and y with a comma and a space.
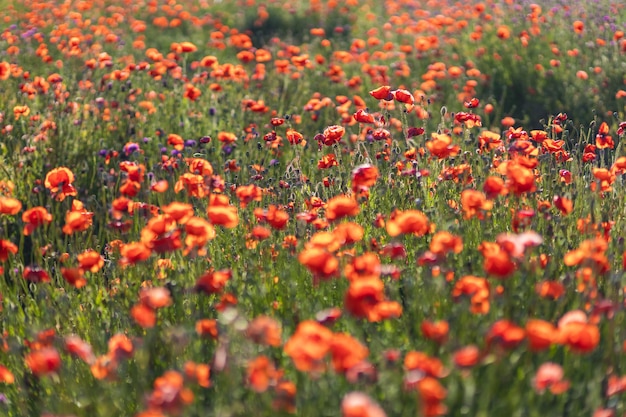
354, 208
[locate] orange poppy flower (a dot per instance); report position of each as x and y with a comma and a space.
35, 217
134, 252
364, 176
506, 334
264, 330
432, 394
466, 357
581, 337
364, 266
436, 331
199, 233
475, 204
346, 352
409, 221
226, 137
320, 262
475, 287
564, 204
382, 93
223, 215
363, 296
161, 234
5, 70
160, 186
90, 260
294, 137
169, 395
494, 186
332, 135
226, 300
603, 139
176, 141
261, 373
489, 141
185, 47
276, 217
578, 26
143, 315
259, 233
384, 310
213, 282
21, 112
348, 233
541, 334
497, 261
341, 206
7, 187
10, 206
248, 193
130, 188
550, 289
285, 397
191, 92
520, 178
616, 385
74, 276
207, 328
444, 242
6, 376
308, 346
420, 361
605, 179
59, 182
104, 367
362, 116
324, 240
120, 346
590, 252
199, 166
403, 96
77, 219
135, 172
552, 146
194, 185
198, 372
327, 161
441, 146
179, 212
7, 247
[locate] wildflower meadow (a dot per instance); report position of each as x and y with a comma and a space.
358, 208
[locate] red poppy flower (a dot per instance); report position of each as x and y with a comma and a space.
382, 93
35, 217
59, 182
261, 373
308, 346
441, 146
409, 221
341, 206
43, 361
332, 135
